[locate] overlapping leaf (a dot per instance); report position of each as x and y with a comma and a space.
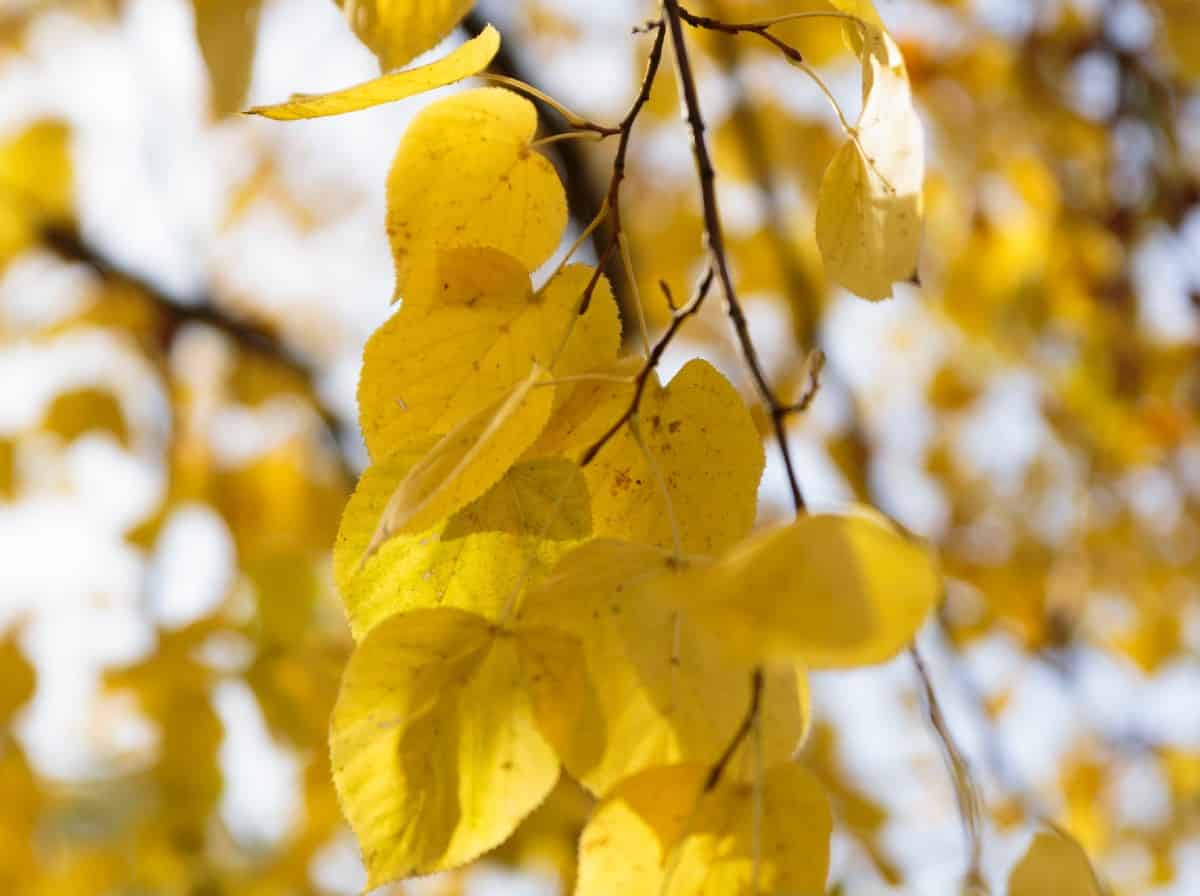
660, 834
469, 337
831, 590
465, 175
467, 461
436, 753
480, 559
707, 455
664, 689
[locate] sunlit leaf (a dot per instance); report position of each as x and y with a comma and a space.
654, 688
467, 461
480, 559
466, 174
398, 30
436, 754
707, 455
454, 350
660, 834
469, 59
869, 208
831, 590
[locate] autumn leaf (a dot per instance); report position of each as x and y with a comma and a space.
480, 559
227, 31
662, 689
706, 456
436, 753
662, 832
465, 175
832, 590
398, 30
1054, 863
453, 351
869, 208
467, 461
469, 59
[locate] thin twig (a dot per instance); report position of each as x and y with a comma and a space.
743, 731
612, 200
715, 239
816, 364
751, 135
966, 793
656, 353
759, 29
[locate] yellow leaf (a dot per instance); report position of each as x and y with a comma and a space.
35, 175
17, 680
436, 755
466, 175
227, 31
707, 452
869, 208
585, 410
75, 413
467, 461
480, 559
398, 30
660, 834
829, 590
469, 59
465, 340
655, 688
1054, 863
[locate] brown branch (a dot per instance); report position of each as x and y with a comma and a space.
715, 239
176, 313
759, 29
656, 353
748, 128
612, 200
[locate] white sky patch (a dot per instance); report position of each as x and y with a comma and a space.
260, 802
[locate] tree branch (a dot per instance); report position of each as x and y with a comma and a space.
715, 239
176, 313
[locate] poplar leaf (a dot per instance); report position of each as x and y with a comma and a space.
398, 30
830, 590
466, 174
660, 834
467, 461
227, 31
469, 59
469, 337
436, 754
662, 689
1056, 864
709, 456
480, 559
869, 207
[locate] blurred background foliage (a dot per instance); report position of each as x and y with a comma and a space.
184, 294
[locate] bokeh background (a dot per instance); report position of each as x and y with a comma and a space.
185, 292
